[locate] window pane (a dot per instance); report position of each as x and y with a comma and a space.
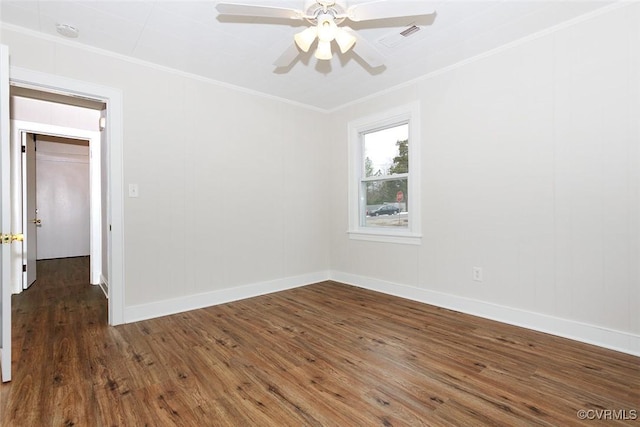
386, 151
386, 203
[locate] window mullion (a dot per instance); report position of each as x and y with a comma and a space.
385, 177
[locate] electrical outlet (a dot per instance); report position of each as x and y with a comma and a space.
477, 274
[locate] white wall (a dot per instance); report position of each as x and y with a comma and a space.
51, 113
530, 169
231, 185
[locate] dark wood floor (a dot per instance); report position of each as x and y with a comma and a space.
322, 355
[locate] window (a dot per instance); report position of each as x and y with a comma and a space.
384, 176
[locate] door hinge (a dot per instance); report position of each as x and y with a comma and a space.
24, 268
24, 149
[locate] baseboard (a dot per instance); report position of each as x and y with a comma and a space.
592, 334
104, 285
192, 302
608, 338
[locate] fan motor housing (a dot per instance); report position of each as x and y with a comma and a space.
315, 8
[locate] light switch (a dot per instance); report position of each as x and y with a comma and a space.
133, 190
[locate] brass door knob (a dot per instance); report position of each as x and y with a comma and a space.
8, 238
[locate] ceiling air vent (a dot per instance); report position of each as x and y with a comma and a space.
394, 39
408, 31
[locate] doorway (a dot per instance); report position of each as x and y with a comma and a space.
63, 198
112, 179
61, 149
111, 136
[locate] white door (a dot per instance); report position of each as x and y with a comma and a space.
31, 220
5, 218
64, 199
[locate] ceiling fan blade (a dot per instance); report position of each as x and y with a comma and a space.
383, 9
287, 57
366, 50
237, 9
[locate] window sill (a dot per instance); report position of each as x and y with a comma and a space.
384, 236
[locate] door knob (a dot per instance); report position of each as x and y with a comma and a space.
8, 238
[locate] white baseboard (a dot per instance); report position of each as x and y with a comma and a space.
96, 278
608, 338
104, 285
603, 337
192, 302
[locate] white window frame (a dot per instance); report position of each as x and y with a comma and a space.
409, 113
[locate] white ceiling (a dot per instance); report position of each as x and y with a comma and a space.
190, 36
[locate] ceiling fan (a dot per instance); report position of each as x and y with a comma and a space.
325, 17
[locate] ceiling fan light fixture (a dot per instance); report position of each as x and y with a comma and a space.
327, 27
345, 40
324, 50
325, 16
305, 38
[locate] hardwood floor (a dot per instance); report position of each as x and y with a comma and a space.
322, 355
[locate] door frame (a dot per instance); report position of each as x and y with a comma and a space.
112, 97
20, 127
5, 218
28, 195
